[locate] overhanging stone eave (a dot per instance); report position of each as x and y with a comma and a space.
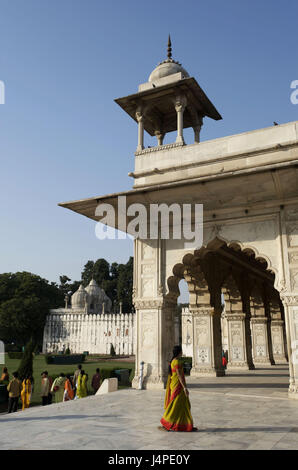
166, 192
130, 103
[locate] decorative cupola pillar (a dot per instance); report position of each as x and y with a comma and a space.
173, 101
140, 119
180, 105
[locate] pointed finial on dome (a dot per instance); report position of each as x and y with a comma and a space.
169, 48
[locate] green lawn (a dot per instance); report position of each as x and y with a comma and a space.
89, 366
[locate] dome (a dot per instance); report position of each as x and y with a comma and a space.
166, 68
96, 297
95, 292
79, 298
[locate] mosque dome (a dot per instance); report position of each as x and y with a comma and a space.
79, 298
167, 67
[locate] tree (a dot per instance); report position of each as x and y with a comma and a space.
25, 301
25, 369
125, 285
115, 279
66, 286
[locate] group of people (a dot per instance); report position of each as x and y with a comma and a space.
18, 389
63, 388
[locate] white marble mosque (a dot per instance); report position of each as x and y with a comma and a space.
88, 324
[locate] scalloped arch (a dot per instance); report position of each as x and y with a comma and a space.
213, 245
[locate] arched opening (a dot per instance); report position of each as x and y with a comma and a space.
234, 307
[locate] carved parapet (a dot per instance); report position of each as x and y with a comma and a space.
159, 148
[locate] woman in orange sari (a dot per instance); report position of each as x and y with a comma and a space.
68, 389
177, 416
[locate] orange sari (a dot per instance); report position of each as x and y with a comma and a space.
68, 391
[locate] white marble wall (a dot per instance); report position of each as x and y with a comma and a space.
94, 333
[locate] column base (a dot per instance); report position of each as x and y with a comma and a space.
149, 383
180, 140
234, 366
280, 360
207, 372
293, 391
262, 363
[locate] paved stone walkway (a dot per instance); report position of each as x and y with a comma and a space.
240, 411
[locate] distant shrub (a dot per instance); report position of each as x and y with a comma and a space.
12, 348
67, 351
15, 355
64, 359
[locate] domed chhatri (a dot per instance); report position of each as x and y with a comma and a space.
170, 101
79, 298
167, 67
97, 298
91, 299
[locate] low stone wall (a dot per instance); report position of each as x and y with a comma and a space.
93, 333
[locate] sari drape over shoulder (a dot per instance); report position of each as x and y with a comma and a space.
68, 391
58, 388
177, 416
82, 386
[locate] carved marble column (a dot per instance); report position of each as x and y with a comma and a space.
277, 330
239, 357
206, 329
180, 105
259, 329
290, 303
154, 316
206, 354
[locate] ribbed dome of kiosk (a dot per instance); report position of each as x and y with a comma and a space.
79, 298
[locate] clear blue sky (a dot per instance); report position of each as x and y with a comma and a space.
63, 138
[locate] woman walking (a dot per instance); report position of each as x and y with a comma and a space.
58, 387
82, 385
68, 389
26, 392
177, 416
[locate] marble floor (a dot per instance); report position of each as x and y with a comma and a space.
248, 410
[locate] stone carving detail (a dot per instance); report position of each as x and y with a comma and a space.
293, 234
260, 351
293, 257
147, 337
202, 332
148, 304
147, 268
203, 356
292, 214
158, 148
148, 252
237, 353
294, 279
289, 299
147, 287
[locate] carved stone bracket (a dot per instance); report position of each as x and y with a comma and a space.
289, 299
259, 320
235, 316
